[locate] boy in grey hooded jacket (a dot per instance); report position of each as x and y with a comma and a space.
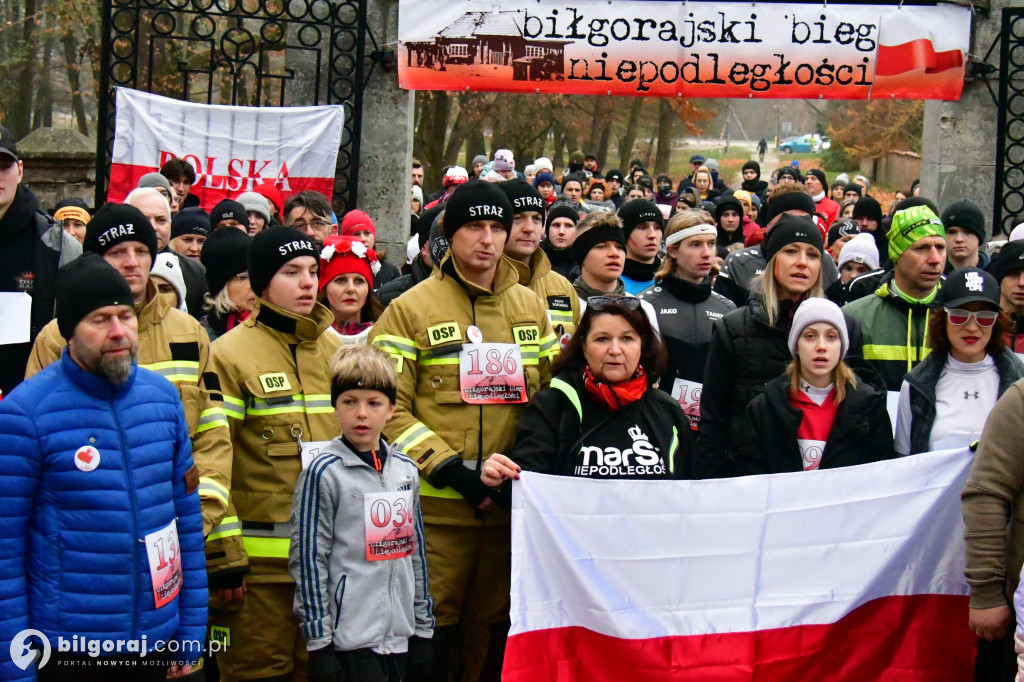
357, 554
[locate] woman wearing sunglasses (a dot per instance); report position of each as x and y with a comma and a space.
945, 400
601, 417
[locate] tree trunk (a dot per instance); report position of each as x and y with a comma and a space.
666, 129
74, 71
19, 117
629, 135
43, 114
430, 136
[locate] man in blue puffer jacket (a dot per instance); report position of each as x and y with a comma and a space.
100, 529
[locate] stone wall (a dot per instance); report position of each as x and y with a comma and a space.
959, 144
59, 163
385, 153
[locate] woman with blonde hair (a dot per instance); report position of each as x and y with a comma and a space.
750, 346
816, 415
704, 181
231, 299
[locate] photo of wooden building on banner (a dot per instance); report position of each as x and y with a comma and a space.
491, 38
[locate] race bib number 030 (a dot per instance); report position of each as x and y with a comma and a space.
390, 525
164, 563
492, 373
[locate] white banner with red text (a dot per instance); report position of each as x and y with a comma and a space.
688, 49
232, 149
834, 574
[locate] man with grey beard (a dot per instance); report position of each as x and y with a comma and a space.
100, 485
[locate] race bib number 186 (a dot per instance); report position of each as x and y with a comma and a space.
492, 373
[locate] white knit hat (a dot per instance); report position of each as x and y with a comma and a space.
860, 249
1017, 233
167, 268
815, 310
544, 164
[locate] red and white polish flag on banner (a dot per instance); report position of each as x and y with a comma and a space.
233, 149
685, 49
845, 574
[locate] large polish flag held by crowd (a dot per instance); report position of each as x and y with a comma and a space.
846, 574
233, 149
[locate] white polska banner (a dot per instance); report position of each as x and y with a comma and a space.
233, 149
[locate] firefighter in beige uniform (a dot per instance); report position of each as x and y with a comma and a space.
277, 396
171, 344
532, 264
471, 346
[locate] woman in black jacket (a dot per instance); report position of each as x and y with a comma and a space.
817, 415
749, 347
601, 417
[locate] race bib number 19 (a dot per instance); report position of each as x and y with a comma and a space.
164, 563
688, 395
390, 525
492, 373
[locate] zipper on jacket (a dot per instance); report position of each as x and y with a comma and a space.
135, 525
480, 424
391, 577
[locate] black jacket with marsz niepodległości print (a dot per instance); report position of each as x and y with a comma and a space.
564, 432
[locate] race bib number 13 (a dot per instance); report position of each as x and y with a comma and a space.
390, 525
164, 563
492, 374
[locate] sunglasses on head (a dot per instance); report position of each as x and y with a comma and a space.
599, 303
959, 317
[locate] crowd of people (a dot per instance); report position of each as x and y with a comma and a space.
317, 485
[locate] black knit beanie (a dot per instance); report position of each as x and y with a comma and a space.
596, 235
227, 209
524, 197
560, 209
117, 223
791, 229
84, 285
225, 254
966, 214
793, 201
271, 249
868, 207
476, 200
191, 221
638, 211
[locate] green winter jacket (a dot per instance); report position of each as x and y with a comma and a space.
895, 331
